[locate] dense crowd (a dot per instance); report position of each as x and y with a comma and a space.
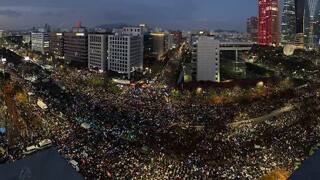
142, 133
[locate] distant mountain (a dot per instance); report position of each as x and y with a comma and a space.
111, 26
223, 30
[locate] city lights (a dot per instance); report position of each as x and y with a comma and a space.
160, 90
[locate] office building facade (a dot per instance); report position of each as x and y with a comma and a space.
312, 23
288, 25
268, 28
98, 52
26, 38
76, 45
125, 53
57, 44
208, 59
133, 31
40, 42
158, 44
252, 28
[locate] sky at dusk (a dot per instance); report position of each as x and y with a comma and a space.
173, 14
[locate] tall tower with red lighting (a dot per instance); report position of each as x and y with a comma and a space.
268, 28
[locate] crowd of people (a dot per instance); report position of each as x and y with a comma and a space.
143, 133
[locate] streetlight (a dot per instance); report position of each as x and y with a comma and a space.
199, 90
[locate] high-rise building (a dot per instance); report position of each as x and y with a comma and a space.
147, 45
268, 28
312, 21
76, 45
40, 42
300, 22
98, 51
312, 11
208, 59
57, 44
300, 11
288, 30
158, 44
252, 28
125, 51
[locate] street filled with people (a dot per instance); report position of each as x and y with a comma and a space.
145, 131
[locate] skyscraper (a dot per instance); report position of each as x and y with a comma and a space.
300, 10
288, 30
252, 28
312, 20
268, 29
313, 6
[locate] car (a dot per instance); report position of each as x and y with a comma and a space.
30, 149
85, 126
44, 143
74, 164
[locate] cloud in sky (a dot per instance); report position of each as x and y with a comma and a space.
10, 13
188, 14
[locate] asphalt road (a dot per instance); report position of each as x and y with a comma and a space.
273, 114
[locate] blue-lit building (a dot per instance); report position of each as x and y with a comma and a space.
288, 26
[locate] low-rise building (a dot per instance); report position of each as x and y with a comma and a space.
26, 38
134, 31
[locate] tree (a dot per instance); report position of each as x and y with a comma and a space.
175, 94
279, 174
111, 87
96, 81
187, 78
218, 100
22, 97
286, 84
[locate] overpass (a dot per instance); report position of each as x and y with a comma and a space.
235, 46
207, 57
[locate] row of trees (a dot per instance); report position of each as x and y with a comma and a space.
235, 94
103, 82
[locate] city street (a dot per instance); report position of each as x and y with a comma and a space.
138, 133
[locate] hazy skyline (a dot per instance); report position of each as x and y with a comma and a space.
173, 14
